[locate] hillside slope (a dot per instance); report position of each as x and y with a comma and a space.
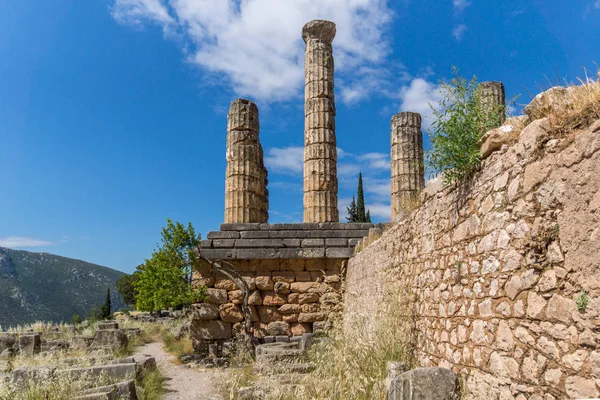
42, 286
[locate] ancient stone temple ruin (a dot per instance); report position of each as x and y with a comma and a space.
490, 281
293, 272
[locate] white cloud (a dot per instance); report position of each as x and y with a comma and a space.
285, 160
460, 5
257, 44
382, 211
459, 31
137, 12
18, 241
418, 97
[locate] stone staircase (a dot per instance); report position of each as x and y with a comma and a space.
280, 364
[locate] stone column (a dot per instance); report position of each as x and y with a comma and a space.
320, 152
492, 96
246, 195
407, 163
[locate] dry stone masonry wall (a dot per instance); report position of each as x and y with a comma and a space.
320, 152
293, 272
494, 276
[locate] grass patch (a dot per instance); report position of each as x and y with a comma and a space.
177, 347
237, 378
153, 385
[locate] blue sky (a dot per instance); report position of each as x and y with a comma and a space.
113, 113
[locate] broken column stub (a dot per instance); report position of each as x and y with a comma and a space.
246, 194
320, 152
493, 100
406, 162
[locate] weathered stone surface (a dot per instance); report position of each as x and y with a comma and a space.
268, 314
246, 195
108, 325
580, 388
210, 330
81, 342
492, 97
29, 344
113, 338
320, 151
270, 298
231, 312
560, 308
205, 311
425, 384
278, 328
407, 163
264, 282
7, 341
298, 329
216, 296
312, 317
546, 102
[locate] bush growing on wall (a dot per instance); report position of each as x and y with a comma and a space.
460, 120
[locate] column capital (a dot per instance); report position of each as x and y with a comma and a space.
319, 29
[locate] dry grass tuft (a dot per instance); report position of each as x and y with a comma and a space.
350, 361
585, 110
582, 107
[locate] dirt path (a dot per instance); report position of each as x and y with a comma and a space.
182, 383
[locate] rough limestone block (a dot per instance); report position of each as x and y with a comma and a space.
223, 235
279, 328
205, 311
116, 371
7, 341
113, 338
210, 330
425, 384
108, 325
81, 342
29, 345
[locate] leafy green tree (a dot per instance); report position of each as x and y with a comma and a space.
126, 288
352, 211
105, 310
76, 319
165, 280
460, 121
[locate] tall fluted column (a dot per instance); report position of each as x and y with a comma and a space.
246, 195
406, 162
320, 153
493, 100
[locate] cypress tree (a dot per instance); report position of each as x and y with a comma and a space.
360, 205
352, 217
107, 306
368, 217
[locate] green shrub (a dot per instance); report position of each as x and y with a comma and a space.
460, 122
76, 319
582, 301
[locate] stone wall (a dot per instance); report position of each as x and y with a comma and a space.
493, 271
293, 272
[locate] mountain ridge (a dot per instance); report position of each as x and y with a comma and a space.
47, 287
